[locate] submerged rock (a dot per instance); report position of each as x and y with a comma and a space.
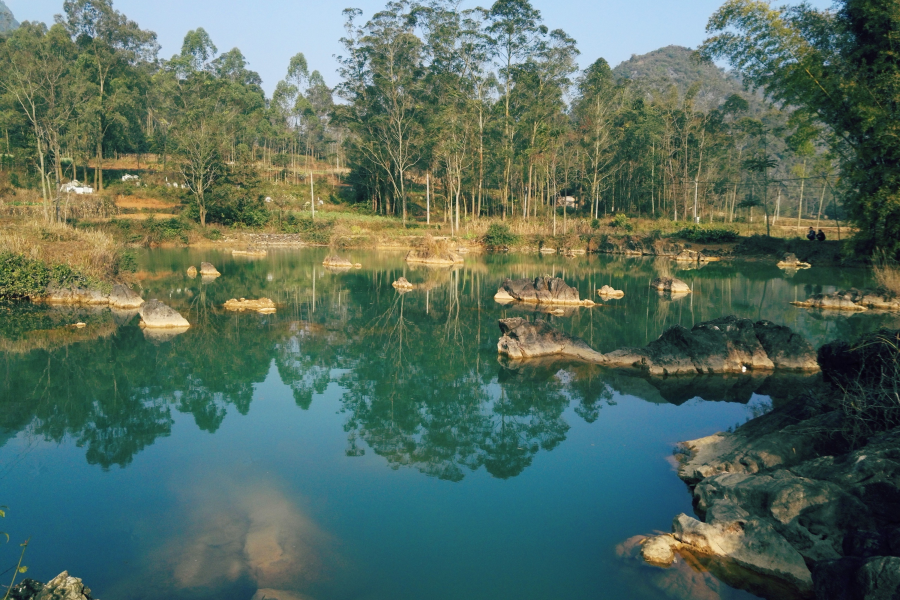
156, 315
208, 270
124, 297
671, 285
726, 345
263, 305
541, 290
610, 292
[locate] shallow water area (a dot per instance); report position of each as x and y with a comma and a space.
362, 443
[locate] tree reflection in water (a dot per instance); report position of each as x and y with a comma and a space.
420, 382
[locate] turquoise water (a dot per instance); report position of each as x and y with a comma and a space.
366, 444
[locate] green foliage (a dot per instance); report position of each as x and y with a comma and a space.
312, 231
499, 236
212, 234
126, 262
167, 230
23, 277
595, 224
621, 221
705, 234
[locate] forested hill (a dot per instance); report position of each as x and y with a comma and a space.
659, 69
7, 20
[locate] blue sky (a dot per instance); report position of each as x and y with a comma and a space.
269, 32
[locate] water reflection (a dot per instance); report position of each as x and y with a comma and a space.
421, 383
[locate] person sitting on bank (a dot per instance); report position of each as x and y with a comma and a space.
820, 236
811, 234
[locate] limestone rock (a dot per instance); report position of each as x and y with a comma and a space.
690, 256
541, 290
124, 297
659, 549
337, 262
192, 271
671, 285
609, 292
403, 284
64, 587
263, 305
156, 315
443, 257
208, 270
522, 339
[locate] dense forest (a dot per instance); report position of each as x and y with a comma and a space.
457, 115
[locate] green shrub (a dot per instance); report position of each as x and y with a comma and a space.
700, 234
212, 234
621, 221
499, 236
595, 223
126, 262
167, 230
23, 277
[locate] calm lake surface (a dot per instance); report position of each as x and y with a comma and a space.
366, 444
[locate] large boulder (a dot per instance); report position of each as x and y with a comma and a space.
403, 284
607, 291
64, 587
541, 290
791, 262
670, 285
523, 339
156, 315
123, 297
208, 270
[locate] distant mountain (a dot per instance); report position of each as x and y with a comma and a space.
659, 69
7, 20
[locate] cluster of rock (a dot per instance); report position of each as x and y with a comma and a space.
725, 345
540, 290
61, 587
262, 306
788, 498
277, 239
608, 291
121, 297
790, 262
403, 284
430, 257
692, 256
851, 300
670, 285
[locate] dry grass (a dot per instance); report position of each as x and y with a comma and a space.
92, 252
887, 274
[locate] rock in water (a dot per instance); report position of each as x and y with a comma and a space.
124, 297
403, 284
790, 261
851, 300
671, 285
250, 251
156, 315
75, 295
541, 290
263, 305
208, 270
523, 339
192, 271
334, 261
726, 345
610, 292
441, 257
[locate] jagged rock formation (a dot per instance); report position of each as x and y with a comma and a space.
61, 587
725, 345
792, 497
541, 290
791, 262
851, 300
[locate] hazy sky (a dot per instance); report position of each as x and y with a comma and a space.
269, 32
